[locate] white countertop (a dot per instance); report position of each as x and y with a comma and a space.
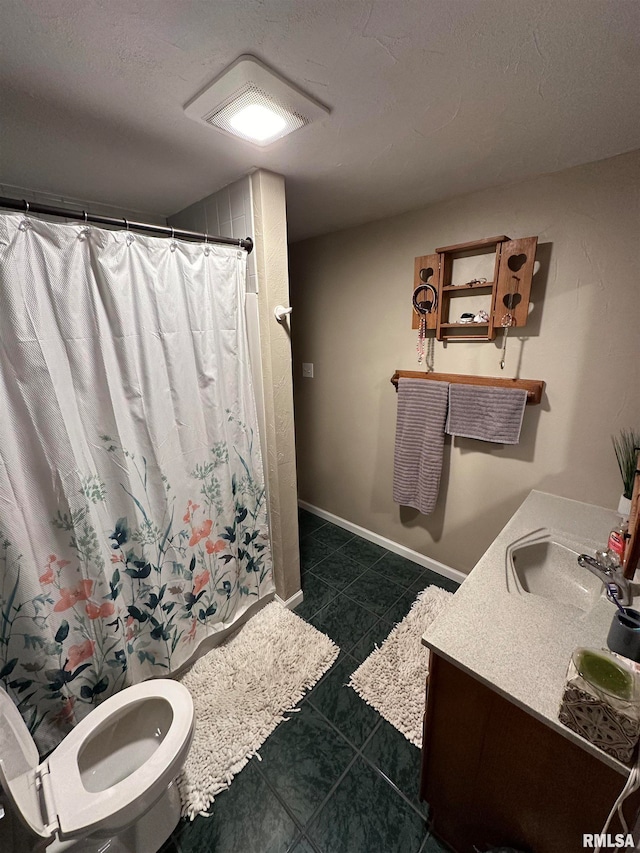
519, 644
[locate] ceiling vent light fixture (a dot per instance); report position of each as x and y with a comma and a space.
250, 101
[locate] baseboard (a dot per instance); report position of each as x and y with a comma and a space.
394, 547
292, 602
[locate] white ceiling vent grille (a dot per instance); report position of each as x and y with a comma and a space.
254, 108
251, 102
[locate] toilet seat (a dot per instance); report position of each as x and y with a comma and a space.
52, 797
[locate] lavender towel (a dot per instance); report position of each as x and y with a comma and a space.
486, 412
422, 409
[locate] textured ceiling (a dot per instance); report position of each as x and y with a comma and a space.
429, 98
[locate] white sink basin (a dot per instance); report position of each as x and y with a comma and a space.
546, 565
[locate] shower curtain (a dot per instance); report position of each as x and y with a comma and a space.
132, 500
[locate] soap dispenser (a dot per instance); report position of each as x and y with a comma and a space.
618, 540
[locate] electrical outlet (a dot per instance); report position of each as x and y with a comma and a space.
307, 370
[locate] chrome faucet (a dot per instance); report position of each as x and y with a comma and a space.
609, 577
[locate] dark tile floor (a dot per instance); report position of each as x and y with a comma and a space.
336, 777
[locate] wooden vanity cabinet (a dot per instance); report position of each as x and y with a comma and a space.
496, 776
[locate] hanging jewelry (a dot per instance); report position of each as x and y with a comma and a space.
422, 308
431, 355
422, 333
508, 320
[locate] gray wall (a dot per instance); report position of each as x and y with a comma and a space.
351, 293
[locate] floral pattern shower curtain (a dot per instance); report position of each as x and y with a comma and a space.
132, 499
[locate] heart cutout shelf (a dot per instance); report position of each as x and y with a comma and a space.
508, 291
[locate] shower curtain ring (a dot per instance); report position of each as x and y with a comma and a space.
126, 224
84, 213
173, 232
26, 205
206, 239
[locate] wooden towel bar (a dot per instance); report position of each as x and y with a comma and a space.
533, 387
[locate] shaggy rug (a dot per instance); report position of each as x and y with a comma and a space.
392, 678
241, 691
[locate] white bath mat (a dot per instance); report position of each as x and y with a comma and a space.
241, 691
392, 678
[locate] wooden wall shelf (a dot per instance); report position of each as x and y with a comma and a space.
462, 325
509, 290
533, 387
485, 243
463, 288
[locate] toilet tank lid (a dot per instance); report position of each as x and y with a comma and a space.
18, 750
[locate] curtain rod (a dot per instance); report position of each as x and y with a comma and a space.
165, 230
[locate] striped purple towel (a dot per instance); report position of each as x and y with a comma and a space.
486, 412
422, 409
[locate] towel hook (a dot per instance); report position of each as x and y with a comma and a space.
280, 312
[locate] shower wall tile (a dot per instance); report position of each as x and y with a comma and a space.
72, 203
190, 219
239, 227
247, 191
211, 215
224, 205
237, 200
251, 232
20, 192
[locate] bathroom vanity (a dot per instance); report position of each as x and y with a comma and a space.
498, 768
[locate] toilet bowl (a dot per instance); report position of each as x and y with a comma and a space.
114, 770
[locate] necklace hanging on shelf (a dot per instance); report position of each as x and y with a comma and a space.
430, 357
422, 333
422, 308
508, 320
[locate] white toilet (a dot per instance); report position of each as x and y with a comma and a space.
109, 786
